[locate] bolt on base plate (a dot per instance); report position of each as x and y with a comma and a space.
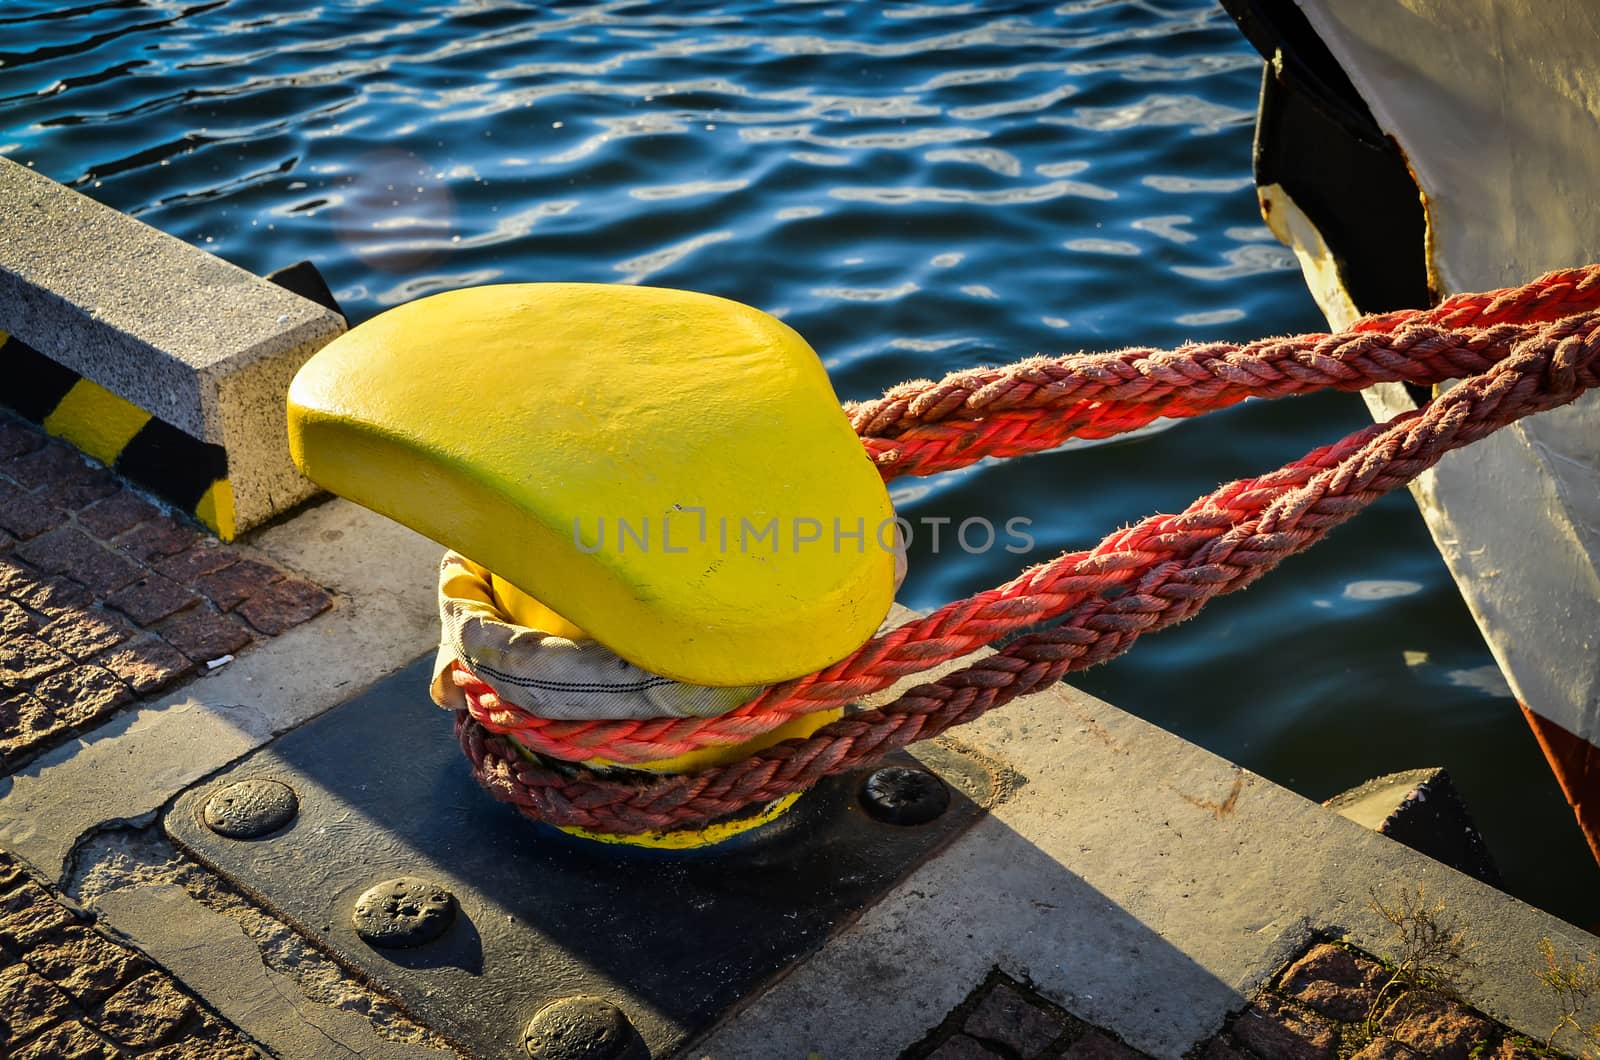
671, 940
250, 809
404, 911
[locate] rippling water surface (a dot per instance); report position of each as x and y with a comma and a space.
916, 188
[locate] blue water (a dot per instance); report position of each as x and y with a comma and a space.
914, 187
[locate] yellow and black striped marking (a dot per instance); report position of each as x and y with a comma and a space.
189, 474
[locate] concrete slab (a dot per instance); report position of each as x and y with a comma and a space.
385, 577
198, 343
1138, 881
257, 974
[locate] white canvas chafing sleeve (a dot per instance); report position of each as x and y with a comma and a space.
549, 676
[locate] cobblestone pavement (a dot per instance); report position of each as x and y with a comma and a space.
105, 599
1316, 1008
69, 992
1005, 1020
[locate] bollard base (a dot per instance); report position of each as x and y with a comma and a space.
674, 939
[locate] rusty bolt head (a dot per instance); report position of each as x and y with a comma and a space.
250, 809
902, 795
405, 911
582, 1028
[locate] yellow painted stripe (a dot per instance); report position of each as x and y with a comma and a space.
706, 837
96, 420
215, 509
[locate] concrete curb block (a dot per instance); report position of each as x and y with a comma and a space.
149, 335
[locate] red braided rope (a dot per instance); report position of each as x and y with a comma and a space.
1160, 571
1087, 395
921, 428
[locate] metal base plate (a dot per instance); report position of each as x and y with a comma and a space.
673, 938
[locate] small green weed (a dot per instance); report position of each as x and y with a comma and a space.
1575, 984
1431, 953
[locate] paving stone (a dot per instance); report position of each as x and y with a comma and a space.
960, 1047
53, 597
103, 571
85, 964
82, 694
1335, 982
28, 1004
1097, 1046
1006, 1017
1439, 1028
146, 665
11, 875
210, 1041
69, 1041
23, 514
16, 578
78, 491
107, 518
24, 723
81, 558
25, 659
13, 619
7, 542
151, 598
17, 439
147, 1012
203, 635
49, 465
54, 552
203, 1050
162, 536
29, 915
284, 605
1383, 1048
80, 634
196, 562
1276, 1029
232, 586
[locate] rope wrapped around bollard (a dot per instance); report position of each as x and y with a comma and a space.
1520, 351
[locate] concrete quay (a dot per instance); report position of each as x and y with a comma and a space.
1118, 892
1127, 894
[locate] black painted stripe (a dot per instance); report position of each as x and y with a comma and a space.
172, 465
31, 383
159, 457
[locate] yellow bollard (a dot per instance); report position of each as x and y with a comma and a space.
665, 472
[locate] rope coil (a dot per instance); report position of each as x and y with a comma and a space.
1521, 351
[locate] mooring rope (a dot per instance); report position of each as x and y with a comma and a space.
1522, 351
